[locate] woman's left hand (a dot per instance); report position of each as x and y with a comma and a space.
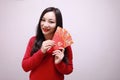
59, 54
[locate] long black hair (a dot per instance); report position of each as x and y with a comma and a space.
39, 35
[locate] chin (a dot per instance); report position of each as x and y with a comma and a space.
45, 33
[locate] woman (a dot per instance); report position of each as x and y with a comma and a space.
39, 58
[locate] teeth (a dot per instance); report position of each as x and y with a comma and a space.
45, 29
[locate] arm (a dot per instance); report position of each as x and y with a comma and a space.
30, 62
64, 68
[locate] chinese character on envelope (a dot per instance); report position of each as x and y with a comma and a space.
62, 38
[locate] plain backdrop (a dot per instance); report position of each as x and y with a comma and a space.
93, 24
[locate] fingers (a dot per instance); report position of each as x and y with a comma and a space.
62, 49
58, 56
46, 45
56, 52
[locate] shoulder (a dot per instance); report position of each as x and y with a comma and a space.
32, 39
69, 47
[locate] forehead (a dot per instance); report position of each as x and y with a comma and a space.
49, 15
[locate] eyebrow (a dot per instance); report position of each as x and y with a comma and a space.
49, 19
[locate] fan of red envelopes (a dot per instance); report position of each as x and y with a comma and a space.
62, 38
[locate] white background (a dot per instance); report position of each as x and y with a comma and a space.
93, 24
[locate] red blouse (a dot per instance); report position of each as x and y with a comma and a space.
42, 66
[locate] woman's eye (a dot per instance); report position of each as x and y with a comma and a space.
43, 20
51, 21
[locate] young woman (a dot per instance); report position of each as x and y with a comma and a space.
42, 62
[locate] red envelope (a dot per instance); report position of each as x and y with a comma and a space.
62, 38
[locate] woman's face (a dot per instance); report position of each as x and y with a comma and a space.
48, 23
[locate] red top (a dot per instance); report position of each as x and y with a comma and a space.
42, 66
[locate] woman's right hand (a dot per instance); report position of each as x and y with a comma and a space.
46, 45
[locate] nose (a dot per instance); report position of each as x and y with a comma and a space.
46, 24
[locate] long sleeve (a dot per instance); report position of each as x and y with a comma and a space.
30, 62
63, 67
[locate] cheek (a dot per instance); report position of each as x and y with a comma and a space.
41, 24
53, 25
53, 29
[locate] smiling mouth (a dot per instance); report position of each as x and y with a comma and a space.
45, 30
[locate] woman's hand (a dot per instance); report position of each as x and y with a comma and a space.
59, 54
46, 45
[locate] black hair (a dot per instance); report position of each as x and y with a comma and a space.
39, 35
